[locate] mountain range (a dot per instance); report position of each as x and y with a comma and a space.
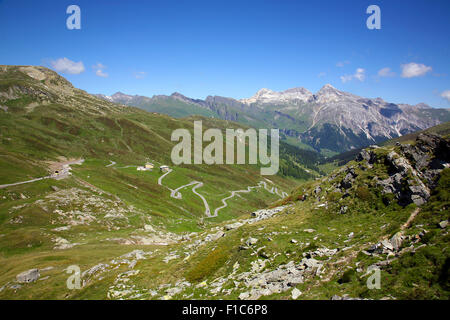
330, 121
82, 185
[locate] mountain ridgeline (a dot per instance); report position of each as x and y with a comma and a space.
330, 121
84, 182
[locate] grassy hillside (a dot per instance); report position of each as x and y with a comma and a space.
323, 243
388, 209
46, 122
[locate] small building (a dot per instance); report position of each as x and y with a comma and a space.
164, 168
149, 166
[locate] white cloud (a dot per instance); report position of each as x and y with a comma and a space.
65, 65
386, 72
346, 78
322, 74
341, 64
360, 75
411, 70
99, 70
140, 74
446, 95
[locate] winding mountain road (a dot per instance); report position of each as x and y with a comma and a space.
274, 190
175, 193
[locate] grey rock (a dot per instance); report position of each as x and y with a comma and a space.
343, 210
28, 276
396, 241
386, 244
366, 155
232, 226
443, 224
251, 241
295, 293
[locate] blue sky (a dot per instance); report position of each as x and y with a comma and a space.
234, 48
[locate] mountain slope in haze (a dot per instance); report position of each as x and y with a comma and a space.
330, 121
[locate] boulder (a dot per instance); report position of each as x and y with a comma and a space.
443, 224
396, 241
387, 244
295, 293
244, 296
232, 226
28, 276
251, 241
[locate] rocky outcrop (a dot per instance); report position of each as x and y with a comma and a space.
348, 180
28, 276
404, 181
429, 156
413, 170
368, 155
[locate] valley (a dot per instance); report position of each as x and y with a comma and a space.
206, 231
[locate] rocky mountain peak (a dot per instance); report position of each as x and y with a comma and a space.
178, 95
329, 89
269, 96
423, 106
121, 97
